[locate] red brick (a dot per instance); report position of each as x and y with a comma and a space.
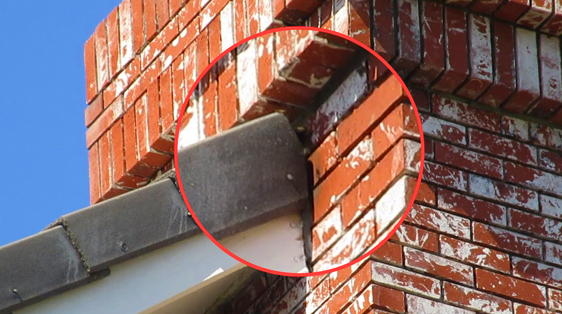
510, 287
433, 55
421, 99
267, 71
474, 299
162, 13
137, 25
502, 192
324, 158
525, 309
468, 160
528, 88
326, 232
93, 111
346, 294
551, 77
212, 9
341, 179
507, 240
443, 130
546, 136
155, 131
486, 7
429, 148
409, 53
550, 160
132, 163
188, 12
538, 12
117, 152
553, 25
90, 69
537, 272
516, 128
145, 154
227, 91
179, 88
106, 162
511, 10
389, 299
406, 280
456, 51
463, 113
537, 225
102, 58
444, 175
128, 38
370, 113
215, 39
504, 66
417, 237
252, 16
150, 19
399, 123
439, 221
481, 58
359, 21
438, 266
555, 299
122, 81
474, 254
94, 173
189, 65
111, 113
376, 181
112, 24
166, 101
159, 43
240, 18
389, 252
426, 193
533, 178
384, 32
471, 207
210, 103
502, 147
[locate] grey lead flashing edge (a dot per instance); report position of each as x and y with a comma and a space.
242, 177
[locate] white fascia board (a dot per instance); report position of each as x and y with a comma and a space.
164, 279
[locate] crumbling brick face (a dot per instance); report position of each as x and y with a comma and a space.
484, 233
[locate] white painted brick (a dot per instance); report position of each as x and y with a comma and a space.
420, 305
553, 253
480, 47
456, 267
485, 187
194, 131
440, 128
247, 75
527, 61
227, 27
551, 206
551, 76
125, 34
390, 275
391, 205
332, 223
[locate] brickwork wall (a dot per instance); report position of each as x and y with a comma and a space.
484, 234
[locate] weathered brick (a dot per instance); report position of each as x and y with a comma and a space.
537, 272
486, 7
553, 25
525, 309
511, 287
537, 225
416, 237
401, 122
438, 266
504, 66
550, 77
533, 178
405, 280
468, 160
324, 158
546, 136
475, 300
443, 130
409, 54
513, 127
446, 176
456, 51
502, 147
538, 12
506, 240
502, 192
474, 254
94, 173
528, 88
471, 207
463, 113
481, 58
511, 10
420, 305
389, 252
384, 32
439, 221
433, 58
326, 232
551, 206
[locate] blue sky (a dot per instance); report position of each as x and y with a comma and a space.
43, 156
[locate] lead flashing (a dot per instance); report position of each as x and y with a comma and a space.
247, 175
130, 225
